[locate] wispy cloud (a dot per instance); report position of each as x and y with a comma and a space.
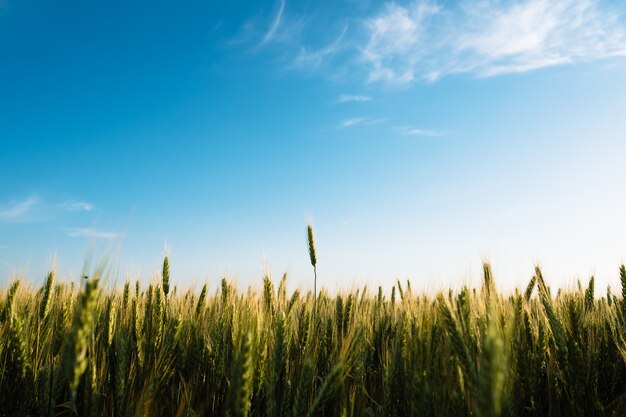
92, 233
427, 40
17, 210
394, 37
312, 58
400, 43
345, 98
353, 121
414, 131
269, 35
422, 132
76, 206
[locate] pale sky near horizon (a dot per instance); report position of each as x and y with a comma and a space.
420, 137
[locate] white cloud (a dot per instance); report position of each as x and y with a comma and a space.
91, 233
275, 23
345, 98
413, 131
16, 210
308, 58
422, 132
425, 40
394, 36
353, 121
428, 41
76, 206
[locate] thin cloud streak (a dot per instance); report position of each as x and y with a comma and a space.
18, 210
275, 24
76, 206
414, 131
422, 132
91, 233
354, 121
314, 58
346, 98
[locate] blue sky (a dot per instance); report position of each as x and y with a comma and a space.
419, 137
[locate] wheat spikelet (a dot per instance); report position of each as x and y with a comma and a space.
17, 384
589, 295
488, 284
311, 245
148, 311
225, 291
18, 351
348, 313
158, 315
555, 324
201, 300
268, 295
110, 321
245, 378
44, 307
9, 304
313, 258
137, 334
459, 345
529, 289
339, 315
491, 376
400, 291
282, 291
276, 379
166, 276
75, 357
121, 348
293, 300
622, 277
126, 295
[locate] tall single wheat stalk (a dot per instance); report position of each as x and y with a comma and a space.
311, 242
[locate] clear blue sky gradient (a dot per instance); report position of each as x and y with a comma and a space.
217, 129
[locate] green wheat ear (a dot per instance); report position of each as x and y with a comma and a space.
311, 241
75, 357
166, 275
44, 307
201, 300
589, 294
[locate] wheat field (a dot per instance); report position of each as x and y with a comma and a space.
157, 351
